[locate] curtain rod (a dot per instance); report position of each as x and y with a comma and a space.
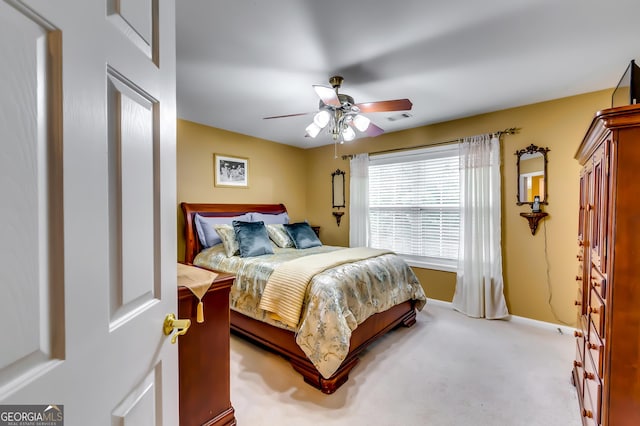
509, 131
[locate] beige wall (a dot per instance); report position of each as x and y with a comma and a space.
558, 125
301, 179
277, 172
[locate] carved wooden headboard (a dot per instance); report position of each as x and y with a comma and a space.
191, 241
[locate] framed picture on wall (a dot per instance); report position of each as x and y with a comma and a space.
230, 171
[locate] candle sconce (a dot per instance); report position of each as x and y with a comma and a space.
534, 218
338, 216
338, 199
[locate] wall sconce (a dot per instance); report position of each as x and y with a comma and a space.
338, 194
337, 189
338, 216
534, 218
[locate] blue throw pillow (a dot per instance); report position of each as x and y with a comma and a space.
253, 238
302, 235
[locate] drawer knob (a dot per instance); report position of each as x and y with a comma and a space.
578, 278
577, 303
589, 376
577, 333
587, 413
577, 364
593, 310
593, 346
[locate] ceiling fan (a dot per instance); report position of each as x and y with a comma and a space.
339, 113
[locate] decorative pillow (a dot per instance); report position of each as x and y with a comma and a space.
302, 235
228, 236
279, 236
269, 219
252, 238
204, 227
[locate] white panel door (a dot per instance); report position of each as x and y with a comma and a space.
88, 209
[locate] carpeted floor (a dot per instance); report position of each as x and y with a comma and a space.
447, 370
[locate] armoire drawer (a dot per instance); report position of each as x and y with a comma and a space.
587, 412
599, 283
595, 348
578, 365
593, 387
578, 302
596, 312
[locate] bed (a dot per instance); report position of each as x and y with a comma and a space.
332, 332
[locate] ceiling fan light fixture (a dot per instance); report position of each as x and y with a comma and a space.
313, 129
348, 134
322, 118
361, 122
340, 115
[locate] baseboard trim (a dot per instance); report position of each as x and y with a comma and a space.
563, 329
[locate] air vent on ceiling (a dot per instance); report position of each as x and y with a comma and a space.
400, 116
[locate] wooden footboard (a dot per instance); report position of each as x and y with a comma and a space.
283, 342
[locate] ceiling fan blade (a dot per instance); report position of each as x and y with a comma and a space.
373, 130
327, 95
288, 115
384, 106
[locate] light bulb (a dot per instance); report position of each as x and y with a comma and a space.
361, 122
348, 134
322, 118
313, 129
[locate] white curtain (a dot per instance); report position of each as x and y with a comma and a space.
479, 284
359, 201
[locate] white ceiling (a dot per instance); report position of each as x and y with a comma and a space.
242, 60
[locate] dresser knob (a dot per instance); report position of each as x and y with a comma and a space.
577, 364
593, 346
587, 413
593, 310
589, 376
577, 303
577, 333
578, 278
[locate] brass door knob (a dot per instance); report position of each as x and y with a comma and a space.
171, 323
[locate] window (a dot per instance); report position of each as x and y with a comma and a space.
414, 201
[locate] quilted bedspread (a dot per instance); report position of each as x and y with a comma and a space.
336, 301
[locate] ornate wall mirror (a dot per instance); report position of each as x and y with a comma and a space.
337, 189
532, 174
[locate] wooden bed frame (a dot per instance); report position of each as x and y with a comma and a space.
281, 341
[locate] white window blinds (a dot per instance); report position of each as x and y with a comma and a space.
414, 201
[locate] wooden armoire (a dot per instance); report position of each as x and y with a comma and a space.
606, 369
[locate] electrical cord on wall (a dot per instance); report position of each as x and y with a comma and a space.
549, 288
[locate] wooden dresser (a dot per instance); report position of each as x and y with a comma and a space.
607, 366
204, 357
